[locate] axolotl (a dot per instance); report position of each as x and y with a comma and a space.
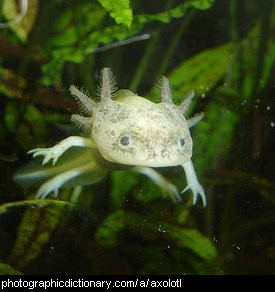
123, 131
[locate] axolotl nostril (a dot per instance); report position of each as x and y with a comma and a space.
123, 130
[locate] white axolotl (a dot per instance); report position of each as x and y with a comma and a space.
124, 130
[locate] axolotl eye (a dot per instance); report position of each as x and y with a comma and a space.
125, 140
181, 142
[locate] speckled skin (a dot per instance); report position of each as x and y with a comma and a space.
155, 131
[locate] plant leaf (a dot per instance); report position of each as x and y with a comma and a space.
203, 71
106, 234
192, 239
201, 4
120, 10
37, 225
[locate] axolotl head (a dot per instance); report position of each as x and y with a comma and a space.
131, 130
134, 131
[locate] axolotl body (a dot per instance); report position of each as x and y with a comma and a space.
123, 130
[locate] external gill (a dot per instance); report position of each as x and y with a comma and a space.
108, 85
166, 96
87, 105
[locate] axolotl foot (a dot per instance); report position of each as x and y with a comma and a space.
49, 153
56, 151
197, 191
193, 183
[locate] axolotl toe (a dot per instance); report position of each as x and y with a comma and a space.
124, 130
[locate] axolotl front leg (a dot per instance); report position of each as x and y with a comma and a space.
56, 151
193, 183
